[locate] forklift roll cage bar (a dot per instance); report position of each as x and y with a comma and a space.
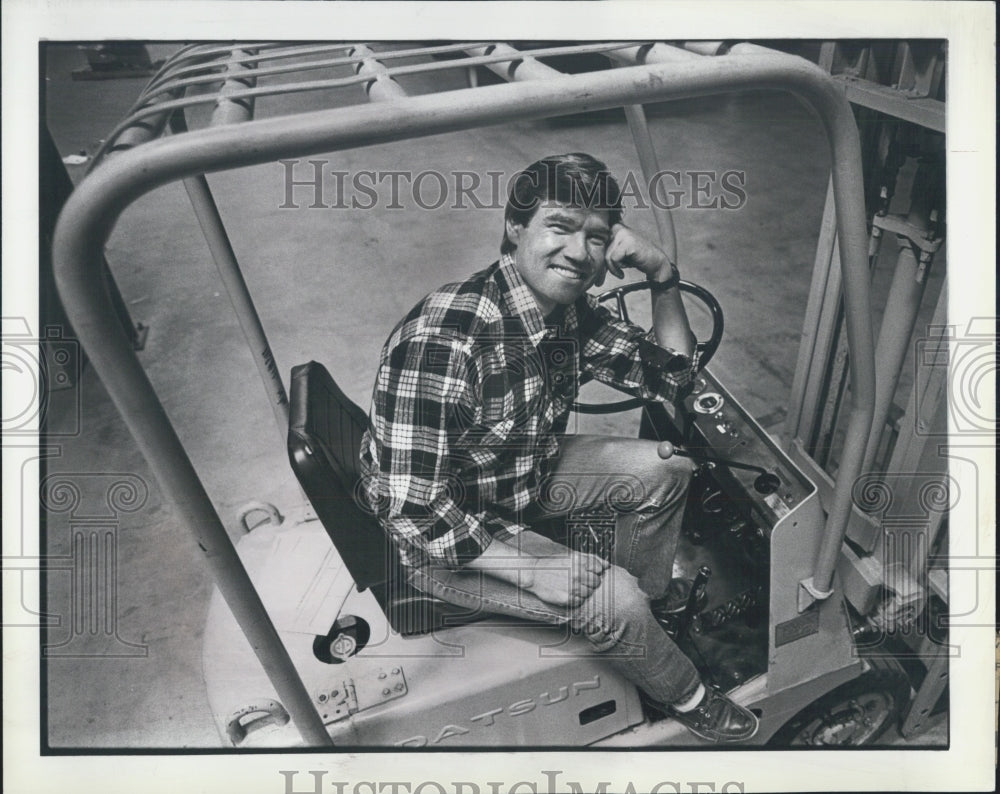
142, 161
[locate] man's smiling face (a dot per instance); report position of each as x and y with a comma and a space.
560, 252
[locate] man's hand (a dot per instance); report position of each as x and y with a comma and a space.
629, 249
567, 580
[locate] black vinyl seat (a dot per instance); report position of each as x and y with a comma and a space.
324, 438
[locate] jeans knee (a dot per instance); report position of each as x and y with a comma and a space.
612, 609
627, 598
673, 477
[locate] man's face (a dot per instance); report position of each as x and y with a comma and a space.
560, 253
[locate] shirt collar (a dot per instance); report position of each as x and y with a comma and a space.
518, 301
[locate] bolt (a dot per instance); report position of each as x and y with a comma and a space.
322, 698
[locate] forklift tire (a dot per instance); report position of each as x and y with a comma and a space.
854, 714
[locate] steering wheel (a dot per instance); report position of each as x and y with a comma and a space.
706, 349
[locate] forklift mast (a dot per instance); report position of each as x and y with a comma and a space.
892, 564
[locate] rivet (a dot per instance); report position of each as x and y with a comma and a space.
386, 691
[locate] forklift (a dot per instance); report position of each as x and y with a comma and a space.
313, 639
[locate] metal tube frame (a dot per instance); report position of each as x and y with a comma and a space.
212, 227
93, 208
382, 88
635, 115
239, 76
817, 341
156, 93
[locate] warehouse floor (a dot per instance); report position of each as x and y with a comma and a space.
329, 284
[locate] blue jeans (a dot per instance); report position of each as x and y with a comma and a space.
647, 495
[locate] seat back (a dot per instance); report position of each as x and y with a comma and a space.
324, 438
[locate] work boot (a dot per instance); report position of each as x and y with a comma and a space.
718, 719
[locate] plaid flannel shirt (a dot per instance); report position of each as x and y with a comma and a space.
472, 392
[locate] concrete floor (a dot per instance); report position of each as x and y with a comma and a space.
330, 284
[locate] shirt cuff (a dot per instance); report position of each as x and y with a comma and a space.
667, 364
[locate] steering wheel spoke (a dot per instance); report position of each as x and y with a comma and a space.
706, 349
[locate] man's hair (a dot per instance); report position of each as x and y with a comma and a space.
576, 179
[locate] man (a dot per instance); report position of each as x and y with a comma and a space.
466, 445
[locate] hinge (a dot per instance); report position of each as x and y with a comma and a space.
359, 693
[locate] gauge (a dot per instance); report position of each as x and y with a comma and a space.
708, 403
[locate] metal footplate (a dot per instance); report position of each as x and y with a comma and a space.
735, 607
357, 694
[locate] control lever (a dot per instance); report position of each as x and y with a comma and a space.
766, 483
686, 618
